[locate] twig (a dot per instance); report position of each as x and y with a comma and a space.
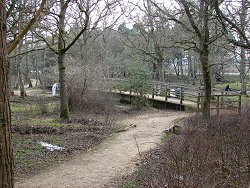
138, 149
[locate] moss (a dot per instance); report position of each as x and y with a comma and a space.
165, 137
64, 114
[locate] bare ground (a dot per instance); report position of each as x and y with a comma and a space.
116, 156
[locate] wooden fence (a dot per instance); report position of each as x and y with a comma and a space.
185, 95
221, 102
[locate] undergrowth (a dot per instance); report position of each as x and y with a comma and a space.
213, 153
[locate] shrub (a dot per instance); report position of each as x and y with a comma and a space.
137, 76
211, 153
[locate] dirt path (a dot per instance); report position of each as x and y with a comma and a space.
114, 157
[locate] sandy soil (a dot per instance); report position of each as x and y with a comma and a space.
116, 156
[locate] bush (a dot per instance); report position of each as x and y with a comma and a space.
137, 76
212, 153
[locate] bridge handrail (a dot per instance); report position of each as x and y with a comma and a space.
185, 93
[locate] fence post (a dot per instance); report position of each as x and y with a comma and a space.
239, 108
222, 99
181, 95
218, 105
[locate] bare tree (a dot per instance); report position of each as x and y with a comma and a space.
6, 164
196, 18
233, 16
90, 14
19, 36
6, 153
149, 37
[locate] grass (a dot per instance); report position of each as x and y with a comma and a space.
51, 122
165, 137
233, 85
29, 156
25, 148
130, 184
24, 110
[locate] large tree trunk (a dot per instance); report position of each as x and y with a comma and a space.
61, 63
204, 56
63, 87
160, 60
160, 71
6, 153
207, 80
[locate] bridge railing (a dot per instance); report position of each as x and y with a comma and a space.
195, 95
222, 102
162, 89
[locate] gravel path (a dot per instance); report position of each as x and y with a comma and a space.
115, 157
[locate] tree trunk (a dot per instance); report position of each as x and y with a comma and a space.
63, 87
181, 67
160, 70
204, 57
243, 26
207, 80
64, 109
243, 71
191, 67
37, 73
160, 60
222, 72
11, 90
20, 79
6, 153
213, 71
176, 67
27, 71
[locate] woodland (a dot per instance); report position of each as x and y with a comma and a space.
84, 45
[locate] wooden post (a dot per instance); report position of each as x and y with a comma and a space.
218, 105
239, 107
222, 99
181, 95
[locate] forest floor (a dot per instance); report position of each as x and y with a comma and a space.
93, 165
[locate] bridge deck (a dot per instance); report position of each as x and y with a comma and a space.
162, 99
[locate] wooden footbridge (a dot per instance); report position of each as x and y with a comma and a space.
177, 96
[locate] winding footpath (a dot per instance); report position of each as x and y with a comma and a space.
115, 157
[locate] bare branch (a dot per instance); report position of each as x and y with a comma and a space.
19, 37
222, 17
190, 18
81, 32
28, 51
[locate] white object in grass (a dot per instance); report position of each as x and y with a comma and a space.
51, 147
